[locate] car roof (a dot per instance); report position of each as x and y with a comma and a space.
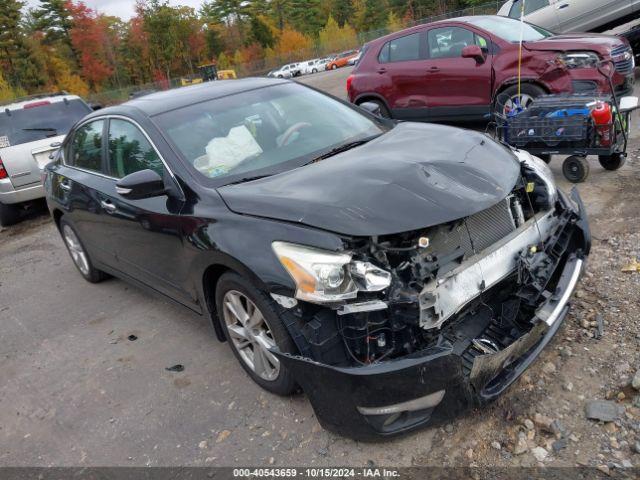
417, 28
36, 99
167, 100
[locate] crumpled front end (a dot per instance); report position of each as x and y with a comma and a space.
470, 305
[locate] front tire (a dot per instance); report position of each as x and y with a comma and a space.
9, 215
251, 322
509, 100
612, 162
79, 254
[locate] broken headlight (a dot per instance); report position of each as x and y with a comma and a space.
579, 60
541, 170
328, 277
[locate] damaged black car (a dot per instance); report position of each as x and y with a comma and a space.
398, 273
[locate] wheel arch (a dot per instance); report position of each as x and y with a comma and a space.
57, 216
210, 278
365, 97
514, 81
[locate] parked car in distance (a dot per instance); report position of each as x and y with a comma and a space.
342, 60
456, 69
286, 71
395, 277
356, 59
563, 16
311, 66
30, 131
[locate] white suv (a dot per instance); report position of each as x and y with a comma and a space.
286, 71
30, 132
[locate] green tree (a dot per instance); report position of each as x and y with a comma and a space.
342, 11
54, 19
15, 56
306, 16
261, 33
370, 14
393, 22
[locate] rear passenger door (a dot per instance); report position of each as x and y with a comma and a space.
401, 63
77, 184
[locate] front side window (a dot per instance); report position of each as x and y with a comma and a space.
448, 42
530, 6
262, 131
86, 147
130, 151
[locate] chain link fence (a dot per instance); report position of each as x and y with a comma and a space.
263, 66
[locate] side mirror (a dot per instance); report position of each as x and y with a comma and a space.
141, 184
473, 51
372, 107
95, 106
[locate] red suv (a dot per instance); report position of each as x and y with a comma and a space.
456, 69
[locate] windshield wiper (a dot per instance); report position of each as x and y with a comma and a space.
344, 147
246, 179
41, 129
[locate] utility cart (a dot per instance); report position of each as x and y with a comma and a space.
576, 125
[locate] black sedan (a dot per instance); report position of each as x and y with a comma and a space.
399, 273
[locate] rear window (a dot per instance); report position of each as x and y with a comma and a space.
401, 49
42, 121
530, 6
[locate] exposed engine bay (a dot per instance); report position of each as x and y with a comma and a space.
475, 283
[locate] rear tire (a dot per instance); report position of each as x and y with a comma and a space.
79, 254
257, 326
576, 169
9, 215
612, 162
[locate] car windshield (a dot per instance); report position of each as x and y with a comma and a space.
263, 131
40, 120
509, 29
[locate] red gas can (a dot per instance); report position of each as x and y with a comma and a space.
603, 118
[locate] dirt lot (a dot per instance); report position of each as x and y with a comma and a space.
77, 389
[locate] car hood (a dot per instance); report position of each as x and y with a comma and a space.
577, 41
414, 176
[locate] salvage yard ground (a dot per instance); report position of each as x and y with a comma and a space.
83, 377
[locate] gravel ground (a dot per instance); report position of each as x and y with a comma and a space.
75, 390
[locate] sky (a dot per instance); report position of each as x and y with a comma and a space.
122, 8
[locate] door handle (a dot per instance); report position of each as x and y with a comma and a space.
65, 186
433, 69
108, 206
382, 70
564, 5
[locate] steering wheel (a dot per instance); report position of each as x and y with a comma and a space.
287, 136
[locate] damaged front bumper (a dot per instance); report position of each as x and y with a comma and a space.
431, 386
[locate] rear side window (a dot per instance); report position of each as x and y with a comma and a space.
40, 120
86, 147
130, 151
401, 49
530, 6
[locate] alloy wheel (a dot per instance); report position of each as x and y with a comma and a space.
521, 102
250, 334
78, 254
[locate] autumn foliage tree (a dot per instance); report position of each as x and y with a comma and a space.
89, 38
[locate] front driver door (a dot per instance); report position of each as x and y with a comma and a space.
148, 231
457, 88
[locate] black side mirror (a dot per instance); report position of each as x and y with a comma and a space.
95, 106
372, 107
141, 184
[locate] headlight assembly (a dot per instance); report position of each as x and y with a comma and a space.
328, 277
579, 60
542, 171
